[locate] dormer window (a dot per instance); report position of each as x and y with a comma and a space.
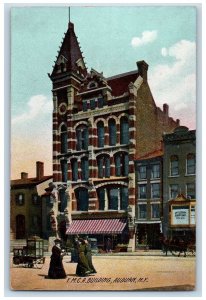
92, 85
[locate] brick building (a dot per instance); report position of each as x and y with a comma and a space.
179, 173
100, 125
149, 199
25, 205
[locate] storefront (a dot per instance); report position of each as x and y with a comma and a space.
110, 233
182, 218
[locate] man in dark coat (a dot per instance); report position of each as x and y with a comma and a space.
56, 269
88, 254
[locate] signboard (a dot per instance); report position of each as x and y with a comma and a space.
192, 215
180, 215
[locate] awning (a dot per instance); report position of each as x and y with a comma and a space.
98, 226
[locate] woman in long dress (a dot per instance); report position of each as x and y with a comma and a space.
56, 269
88, 254
82, 266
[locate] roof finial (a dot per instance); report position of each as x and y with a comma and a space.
69, 13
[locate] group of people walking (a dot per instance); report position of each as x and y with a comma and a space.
84, 259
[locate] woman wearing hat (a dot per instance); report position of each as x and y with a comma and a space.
82, 266
56, 269
88, 254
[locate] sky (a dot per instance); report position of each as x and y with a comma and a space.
112, 39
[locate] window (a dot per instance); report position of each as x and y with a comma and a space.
112, 132
82, 135
124, 198
74, 166
20, 199
124, 131
107, 166
174, 165
103, 163
142, 172
142, 211
84, 106
113, 198
82, 198
191, 164
92, 104
85, 168
142, 191
173, 191
190, 190
155, 190
63, 139
100, 102
64, 170
121, 164
63, 200
155, 211
101, 197
100, 134
155, 172
35, 199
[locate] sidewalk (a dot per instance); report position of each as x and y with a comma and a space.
136, 253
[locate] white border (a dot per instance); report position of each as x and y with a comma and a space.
5, 164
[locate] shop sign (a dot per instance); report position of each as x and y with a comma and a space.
180, 215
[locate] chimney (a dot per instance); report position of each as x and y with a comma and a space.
166, 109
142, 69
24, 175
39, 169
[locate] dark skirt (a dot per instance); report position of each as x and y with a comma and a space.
56, 269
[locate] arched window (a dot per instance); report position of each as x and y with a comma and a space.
74, 167
121, 164
82, 135
191, 164
103, 163
124, 198
100, 134
63, 139
174, 165
113, 198
84, 168
63, 200
64, 168
101, 196
112, 132
82, 198
124, 131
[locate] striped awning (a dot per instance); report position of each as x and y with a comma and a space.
98, 226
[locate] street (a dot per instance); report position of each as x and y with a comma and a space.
123, 272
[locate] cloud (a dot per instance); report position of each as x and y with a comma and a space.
37, 105
146, 38
175, 82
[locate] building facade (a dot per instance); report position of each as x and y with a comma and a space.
100, 125
26, 204
149, 202
179, 173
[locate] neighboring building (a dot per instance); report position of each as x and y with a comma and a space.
25, 205
149, 200
100, 125
179, 173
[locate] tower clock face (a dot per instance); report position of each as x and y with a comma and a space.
62, 108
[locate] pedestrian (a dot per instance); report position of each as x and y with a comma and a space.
82, 266
88, 254
74, 252
108, 245
56, 269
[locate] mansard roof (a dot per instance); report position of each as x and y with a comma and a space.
70, 55
119, 83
